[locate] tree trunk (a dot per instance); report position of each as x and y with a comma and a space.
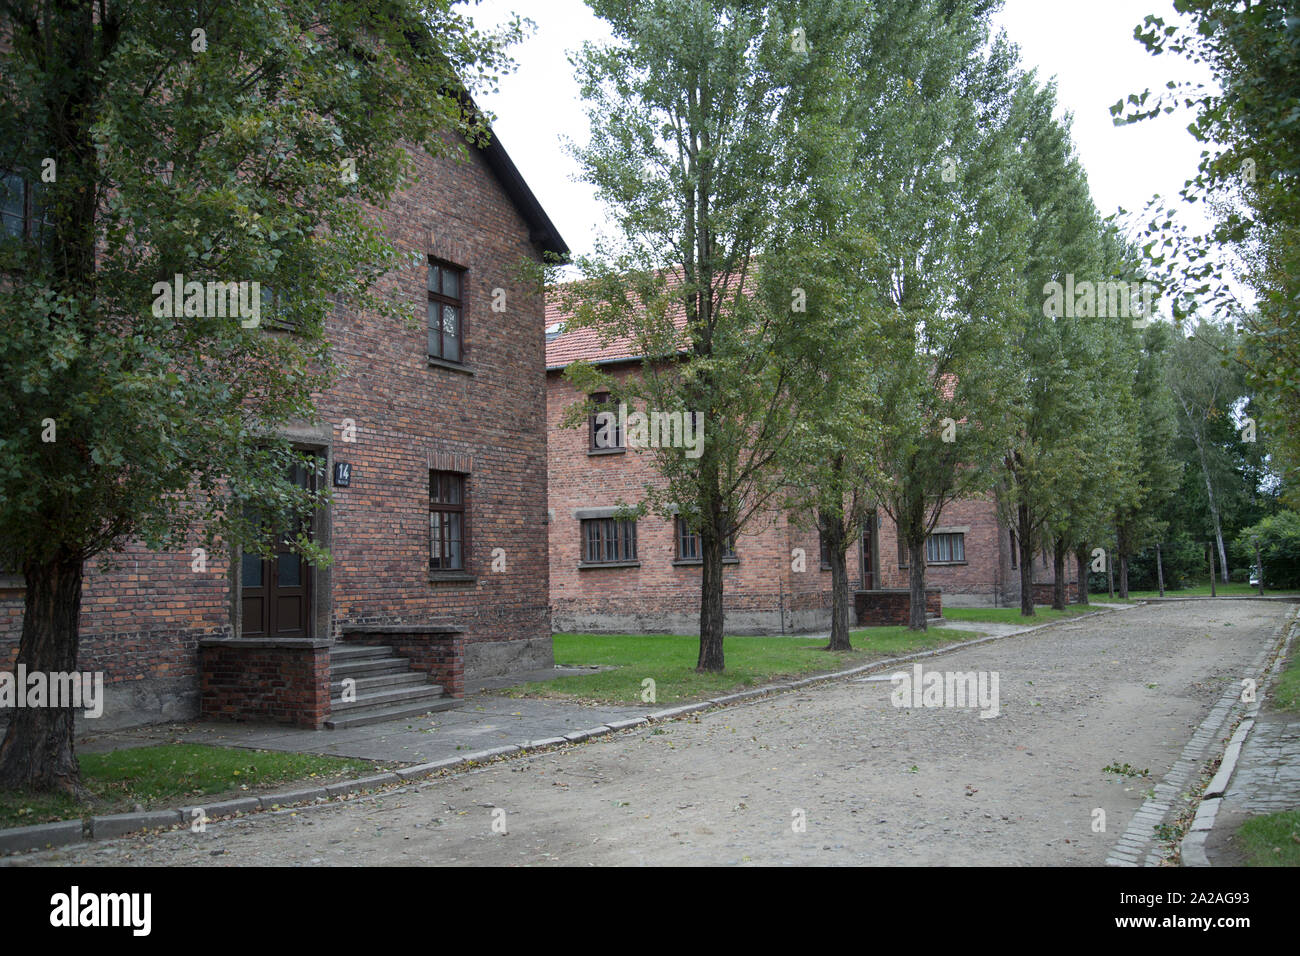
1081, 556
37, 752
1110, 575
1160, 571
1214, 513
1058, 568
837, 544
1213, 590
1024, 538
1123, 576
916, 580
712, 535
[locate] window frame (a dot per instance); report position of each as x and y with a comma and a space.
603, 400
28, 216
448, 508
956, 541
457, 302
680, 532
613, 535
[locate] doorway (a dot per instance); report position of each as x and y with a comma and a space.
276, 592
869, 551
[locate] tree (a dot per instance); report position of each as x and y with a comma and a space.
1247, 180
1153, 473
1056, 352
1206, 387
218, 143
932, 98
696, 118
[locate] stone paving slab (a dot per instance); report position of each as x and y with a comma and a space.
481, 722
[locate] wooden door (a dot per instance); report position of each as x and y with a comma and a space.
276, 592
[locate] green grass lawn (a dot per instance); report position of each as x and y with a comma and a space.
669, 659
1272, 840
169, 775
1203, 590
1286, 693
1011, 615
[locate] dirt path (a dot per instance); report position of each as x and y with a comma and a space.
876, 784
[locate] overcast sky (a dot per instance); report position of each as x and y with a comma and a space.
1087, 45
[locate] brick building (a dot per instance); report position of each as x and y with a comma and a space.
439, 432
649, 581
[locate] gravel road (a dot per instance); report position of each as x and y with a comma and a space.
872, 783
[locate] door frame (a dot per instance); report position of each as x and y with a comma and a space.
318, 439
869, 556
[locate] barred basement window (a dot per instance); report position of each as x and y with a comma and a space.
608, 541
446, 287
945, 548
446, 521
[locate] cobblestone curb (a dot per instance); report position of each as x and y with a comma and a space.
1192, 847
45, 835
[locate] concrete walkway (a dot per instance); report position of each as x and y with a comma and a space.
485, 719
1266, 780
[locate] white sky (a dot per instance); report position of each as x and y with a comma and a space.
1087, 45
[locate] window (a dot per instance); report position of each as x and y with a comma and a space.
446, 521
1015, 551
605, 430
446, 312
825, 550
688, 543
608, 541
689, 548
21, 215
945, 548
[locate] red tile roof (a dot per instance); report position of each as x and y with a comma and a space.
587, 344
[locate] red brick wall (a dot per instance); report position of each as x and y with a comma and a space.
142, 621
1046, 593
761, 591
248, 680
892, 607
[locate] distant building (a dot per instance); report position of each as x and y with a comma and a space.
644, 577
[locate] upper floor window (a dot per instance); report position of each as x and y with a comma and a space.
446, 287
604, 428
446, 521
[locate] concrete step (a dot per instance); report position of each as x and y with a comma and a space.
369, 667
380, 714
367, 685
386, 697
352, 652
